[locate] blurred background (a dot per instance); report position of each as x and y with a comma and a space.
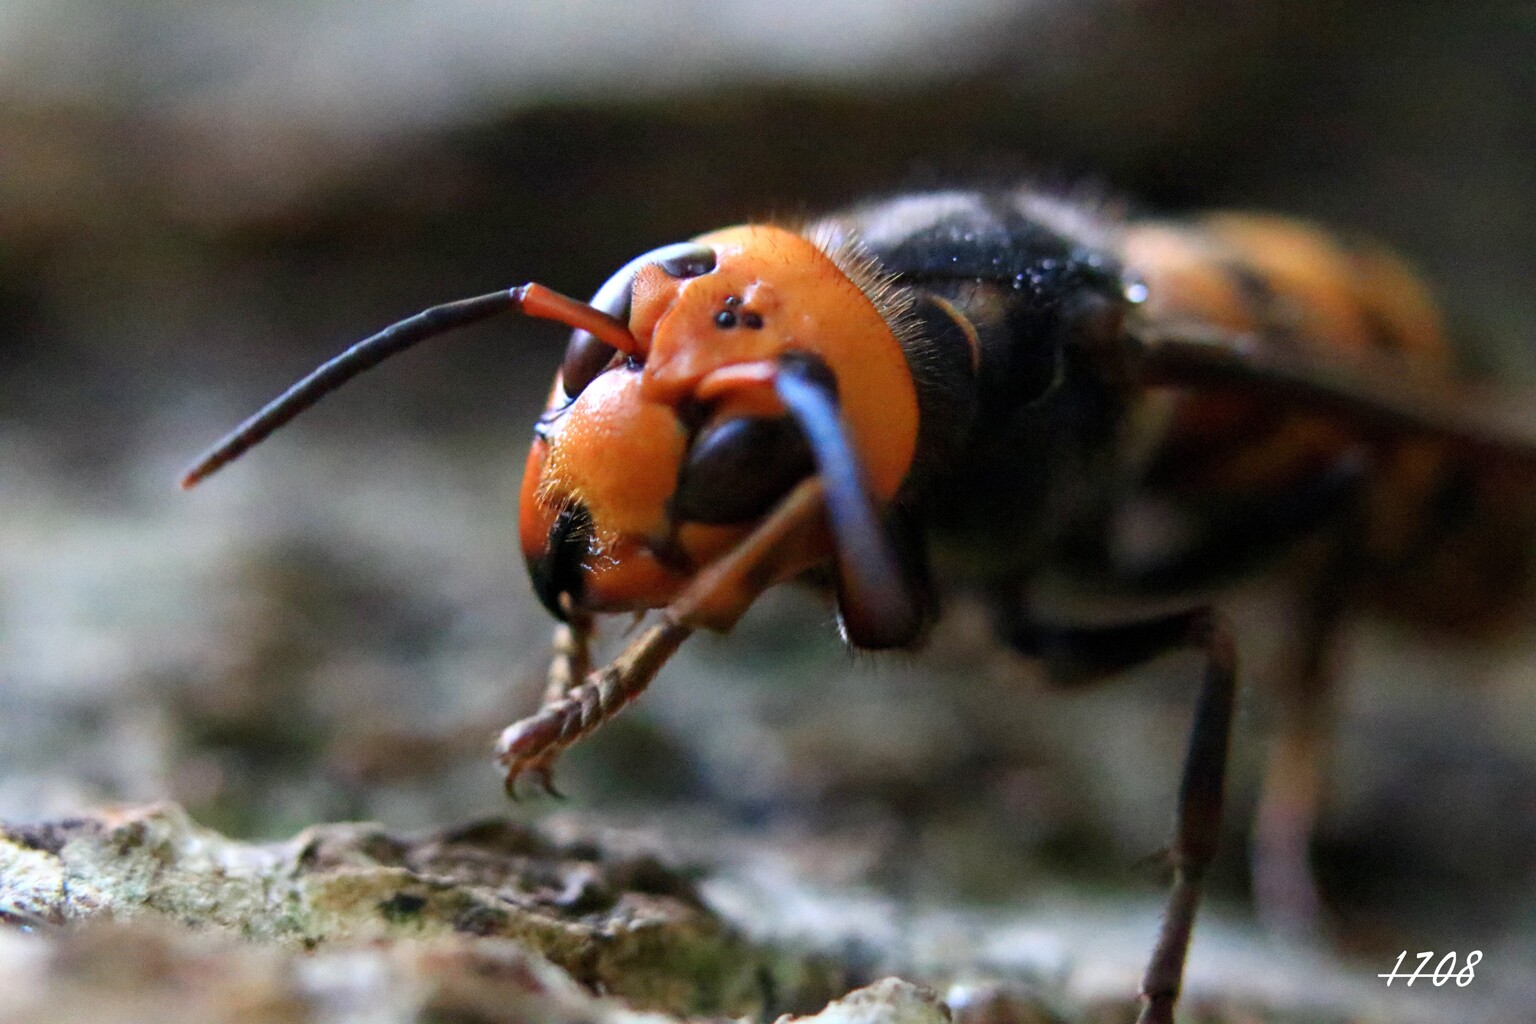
199, 202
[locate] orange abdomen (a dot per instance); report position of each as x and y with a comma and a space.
1447, 542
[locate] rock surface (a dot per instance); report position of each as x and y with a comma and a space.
136, 915
115, 974
626, 925
140, 914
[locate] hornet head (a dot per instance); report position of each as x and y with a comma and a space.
703, 383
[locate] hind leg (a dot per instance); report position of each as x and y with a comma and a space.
1285, 887
1286, 893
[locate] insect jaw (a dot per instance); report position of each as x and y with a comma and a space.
556, 571
665, 508
626, 499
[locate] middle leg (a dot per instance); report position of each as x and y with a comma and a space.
1084, 654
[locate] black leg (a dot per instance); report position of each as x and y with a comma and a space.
1197, 822
1081, 654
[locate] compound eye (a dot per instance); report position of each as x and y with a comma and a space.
738, 468
585, 356
690, 261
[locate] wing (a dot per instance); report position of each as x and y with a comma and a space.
1298, 318
1373, 392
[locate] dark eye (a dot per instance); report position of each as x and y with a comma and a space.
737, 469
585, 356
725, 319
689, 262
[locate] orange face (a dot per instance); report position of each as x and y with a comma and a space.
646, 469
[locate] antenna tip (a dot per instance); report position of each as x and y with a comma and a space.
192, 477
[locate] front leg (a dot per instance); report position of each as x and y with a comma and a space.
1084, 654
570, 662
714, 598
572, 712
571, 659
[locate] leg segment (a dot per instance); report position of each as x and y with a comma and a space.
570, 662
572, 658
531, 746
1197, 820
1077, 655
1285, 889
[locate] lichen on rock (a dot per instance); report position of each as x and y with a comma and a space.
139, 914
626, 925
132, 973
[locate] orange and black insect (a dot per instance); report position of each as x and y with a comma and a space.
1026, 378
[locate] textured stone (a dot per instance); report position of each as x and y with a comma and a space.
626, 925
889, 1001
139, 914
117, 974
124, 974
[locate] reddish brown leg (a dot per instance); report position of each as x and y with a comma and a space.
570, 662
1285, 888
571, 656
572, 712
531, 745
